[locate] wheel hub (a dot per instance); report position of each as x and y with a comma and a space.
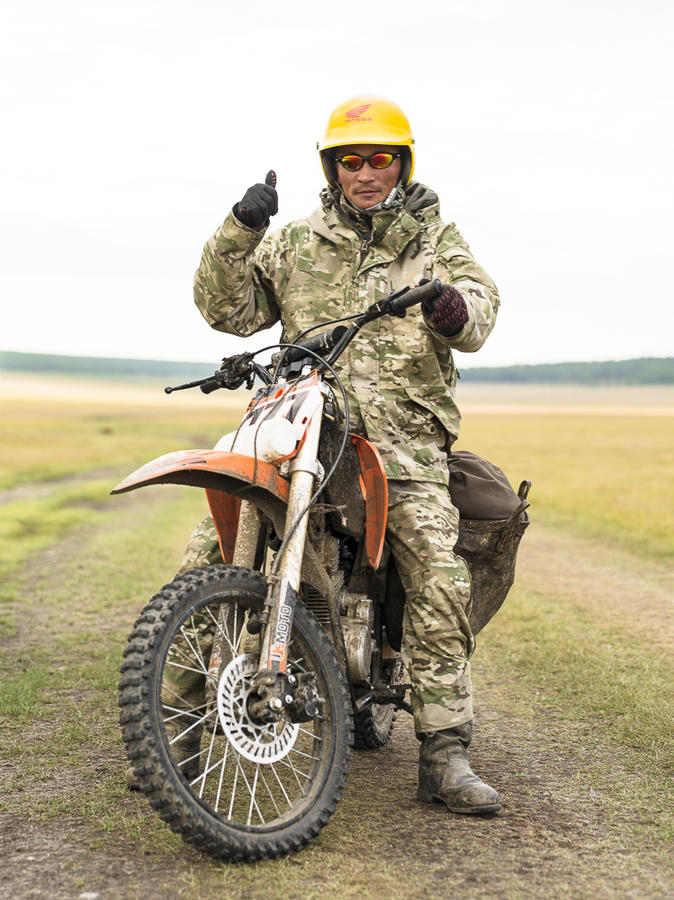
258, 742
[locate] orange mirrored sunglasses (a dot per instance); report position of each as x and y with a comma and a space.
352, 162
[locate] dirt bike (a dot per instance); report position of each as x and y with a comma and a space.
245, 686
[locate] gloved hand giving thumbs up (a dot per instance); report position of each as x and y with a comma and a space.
258, 203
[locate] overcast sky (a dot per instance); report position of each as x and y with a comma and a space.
130, 129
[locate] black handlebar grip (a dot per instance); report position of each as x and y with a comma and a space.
209, 386
428, 291
321, 343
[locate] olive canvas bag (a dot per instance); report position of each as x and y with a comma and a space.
493, 518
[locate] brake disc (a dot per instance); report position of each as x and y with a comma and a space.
258, 742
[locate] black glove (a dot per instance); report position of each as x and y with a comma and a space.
448, 313
259, 203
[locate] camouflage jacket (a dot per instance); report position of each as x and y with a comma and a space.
399, 374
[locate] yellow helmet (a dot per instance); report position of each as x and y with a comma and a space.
367, 119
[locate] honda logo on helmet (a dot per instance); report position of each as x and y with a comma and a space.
357, 113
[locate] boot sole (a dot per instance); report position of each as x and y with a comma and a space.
463, 810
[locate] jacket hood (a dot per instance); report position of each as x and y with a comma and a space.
418, 197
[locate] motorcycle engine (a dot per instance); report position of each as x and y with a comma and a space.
357, 615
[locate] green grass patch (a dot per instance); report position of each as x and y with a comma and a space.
112, 577
598, 681
60, 683
29, 525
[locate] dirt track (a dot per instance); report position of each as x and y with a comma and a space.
554, 837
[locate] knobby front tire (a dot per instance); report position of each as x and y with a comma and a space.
235, 789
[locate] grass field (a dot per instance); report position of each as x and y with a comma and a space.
573, 678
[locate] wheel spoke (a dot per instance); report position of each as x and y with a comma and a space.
271, 796
252, 798
222, 775
197, 653
289, 765
169, 690
251, 791
207, 765
237, 642
312, 734
175, 665
180, 651
302, 753
222, 632
190, 728
280, 784
200, 652
181, 712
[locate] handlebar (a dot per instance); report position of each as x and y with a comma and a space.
411, 297
212, 384
237, 370
321, 343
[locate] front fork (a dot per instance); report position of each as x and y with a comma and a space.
277, 690
284, 586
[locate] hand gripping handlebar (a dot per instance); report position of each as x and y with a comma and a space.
400, 302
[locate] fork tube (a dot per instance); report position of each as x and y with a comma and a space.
247, 534
285, 589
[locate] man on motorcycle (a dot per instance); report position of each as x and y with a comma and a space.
375, 231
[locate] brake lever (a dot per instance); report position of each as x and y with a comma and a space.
189, 384
233, 372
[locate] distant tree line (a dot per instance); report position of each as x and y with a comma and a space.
104, 367
647, 370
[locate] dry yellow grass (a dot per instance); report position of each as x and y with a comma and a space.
564, 399
601, 460
58, 427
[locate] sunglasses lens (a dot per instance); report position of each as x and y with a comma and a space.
351, 163
381, 160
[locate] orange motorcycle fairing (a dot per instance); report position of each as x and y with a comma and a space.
374, 487
225, 511
210, 469
224, 475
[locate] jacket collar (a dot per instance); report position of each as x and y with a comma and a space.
392, 230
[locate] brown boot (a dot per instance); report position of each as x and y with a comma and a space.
445, 776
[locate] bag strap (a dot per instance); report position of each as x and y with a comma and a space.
513, 521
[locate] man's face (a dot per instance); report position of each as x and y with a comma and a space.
367, 186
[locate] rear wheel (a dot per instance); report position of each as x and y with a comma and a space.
373, 726
234, 788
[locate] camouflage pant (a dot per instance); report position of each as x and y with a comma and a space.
203, 548
422, 529
437, 640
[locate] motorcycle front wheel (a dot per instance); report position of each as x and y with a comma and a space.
234, 788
